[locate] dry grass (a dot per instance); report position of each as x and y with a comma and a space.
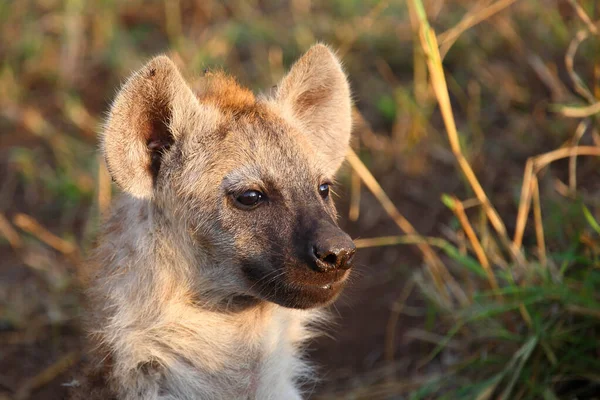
513, 379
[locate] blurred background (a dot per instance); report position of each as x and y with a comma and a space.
472, 190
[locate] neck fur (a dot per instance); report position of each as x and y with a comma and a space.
163, 335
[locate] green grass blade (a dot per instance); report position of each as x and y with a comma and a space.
519, 358
591, 220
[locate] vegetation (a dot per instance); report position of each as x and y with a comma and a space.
524, 320
476, 135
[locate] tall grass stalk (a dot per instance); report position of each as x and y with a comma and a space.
531, 331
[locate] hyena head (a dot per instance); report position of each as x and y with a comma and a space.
241, 184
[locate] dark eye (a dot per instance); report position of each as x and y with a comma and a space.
249, 198
324, 190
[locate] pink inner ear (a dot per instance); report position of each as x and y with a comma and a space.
158, 144
311, 98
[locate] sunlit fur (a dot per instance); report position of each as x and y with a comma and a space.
170, 313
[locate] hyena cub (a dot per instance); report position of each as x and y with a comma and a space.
225, 244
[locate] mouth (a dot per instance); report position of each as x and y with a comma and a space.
335, 284
299, 294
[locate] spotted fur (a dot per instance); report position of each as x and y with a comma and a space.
190, 297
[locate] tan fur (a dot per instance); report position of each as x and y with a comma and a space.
224, 92
171, 315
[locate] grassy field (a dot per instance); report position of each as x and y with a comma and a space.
472, 189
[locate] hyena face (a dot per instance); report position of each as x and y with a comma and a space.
245, 183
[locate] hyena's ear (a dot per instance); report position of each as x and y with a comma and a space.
316, 94
144, 121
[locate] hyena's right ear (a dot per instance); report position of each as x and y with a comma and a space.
316, 94
145, 119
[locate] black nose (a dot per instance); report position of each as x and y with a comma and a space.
334, 251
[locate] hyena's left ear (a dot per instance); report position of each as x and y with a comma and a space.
316, 94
